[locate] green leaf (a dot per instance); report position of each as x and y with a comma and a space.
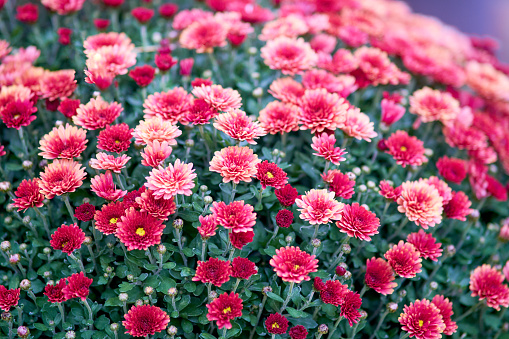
125, 287
296, 313
187, 326
186, 300
102, 322
207, 336
41, 327
274, 296
113, 302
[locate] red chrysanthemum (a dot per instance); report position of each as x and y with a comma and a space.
115, 138
68, 107
271, 174
172, 180
279, 117
243, 268
388, 191
350, 307
405, 149
208, 226
16, 114
214, 271
358, 222
286, 195
97, 114
60, 177
201, 112
142, 14
322, 110
237, 216
28, 195
67, 238
458, 207
101, 24
486, 283
445, 308
496, 189
55, 293
421, 203
186, 66
63, 142
284, 218
157, 207
168, 10
225, 308
84, 212
58, 84
241, 239
28, 13
129, 199
426, 244
276, 324
235, 164
332, 292
237, 125
198, 82
139, 230
319, 207
172, 106
293, 265
463, 137
422, 320
380, 276
143, 75
340, 184
324, 147
145, 320
452, 169
107, 219
8, 298
404, 259
78, 286
219, 98
164, 61
298, 332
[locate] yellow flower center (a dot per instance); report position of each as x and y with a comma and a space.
421, 323
296, 267
403, 148
65, 243
270, 175
227, 310
113, 220
275, 325
140, 231
117, 141
17, 116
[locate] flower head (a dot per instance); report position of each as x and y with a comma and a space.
284, 218
143, 75
97, 114
392, 111
55, 293
84, 212
388, 191
287, 90
203, 35
235, 163
142, 14
426, 245
172, 180
237, 125
452, 169
458, 207
357, 125
225, 308
237, 216
339, 183
139, 230
432, 105
28, 195
323, 144
276, 324
271, 174
286, 195
404, 259
322, 110
405, 149
63, 142
358, 222
349, 309
172, 106
60, 177
422, 319
58, 84
486, 283
332, 291
28, 13
67, 238
104, 187
8, 298
291, 56
241, 239
159, 208
78, 286
214, 271
219, 98
201, 112
445, 308
380, 276
17, 113
145, 320
158, 129
319, 207
293, 265
243, 268
106, 219
298, 332
421, 203
108, 162
63, 7
279, 117
208, 226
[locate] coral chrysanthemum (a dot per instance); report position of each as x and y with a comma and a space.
173, 105
322, 110
271, 175
28, 195
358, 222
290, 56
145, 320
445, 307
214, 271
319, 207
97, 113
388, 191
279, 117
225, 308
139, 230
60, 177
235, 164
293, 265
404, 259
323, 144
172, 180
432, 105
201, 112
276, 324
105, 161
67, 238
219, 98
106, 219
156, 129
63, 7
421, 203
243, 268
405, 149
287, 90
237, 125
237, 216
486, 283
357, 125
78, 286
422, 320
115, 138
380, 276
208, 226
63, 142
104, 187
58, 84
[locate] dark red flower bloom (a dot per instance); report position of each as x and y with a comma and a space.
241, 239
115, 138
18, 113
496, 189
8, 298
143, 75
333, 292
458, 207
168, 10
129, 199
78, 286
425, 244
145, 320
164, 61
298, 332
270, 174
52, 105
243, 268
142, 14
101, 24
68, 107
341, 185
28, 195
28, 13
213, 271
349, 309
198, 82
318, 284
113, 3
64, 35
139, 230
186, 66
452, 169
55, 293
380, 276
201, 112
225, 308
276, 324
107, 218
286, 195
284, 218
85, 212
67, 238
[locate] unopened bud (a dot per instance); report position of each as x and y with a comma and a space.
5, 186
6, 316
348, 275
130, 277
46, 274
27, 164
208, 200
25, 284
474, 215
282, 154
316, 242
351, 175
27, 220
346, 249
23, 332
495, 258
433, 285
493, 227
392, 307
357, 171
138, 146
110, 245
255, 75
505, 327
109, 269
14, 259
275, 152
114, 327
428, 152
340, 271
366, 169
10, 207
172, 292
362, 188
204, 188
87, 241
8, 220
178, 223
148, 290
212, 295
266, 289
402, 293
258, 92
70, 335
493, 169
189, 143
5, 245
161, 249
323, 329
23, 247
289, 239
366, 207
46, 250
252, 51
371, 184
207, 74
172, 331
123, 297
138, 302
364, 314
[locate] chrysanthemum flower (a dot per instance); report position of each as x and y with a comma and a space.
357, 125
172, 106
198, 82
443, 189
496, 189
142, 14
186, 66
67, 238
298, 332
78, 286
63, 7
208, 226
155, 153
478, 172
237, 125
445, 307
219, 98
201, 112
404, 259
16, 114
290, 26
204, 35
158, 129
225, 308
284, 218
241, 239
422, 320
342, 61
145, 320
213, 271
391, 111
322, 110
486, 283
58, 84
339, 183
323, 144
293, 265
172, 180
139, 230
60, 177
110, 61
85, 212
8, 298
28, 13
323, 44
279, 117
358, 222
380, 276
99, 76
350, 307
426, 244
237, 216
28, 195
106, 220
55, 293
115, 138
104, 187
235, 164
421, 203
405, 149
452, 169
276, 324
388, 191
319, 207
463, 137
96, 114
487, 81
14, 93
158, 208
243, 268
287, 90
143, 75
286, 195
95, 42
332, 291
342, 85
432, 105
63, 142
271, 174
105, 161
291, 56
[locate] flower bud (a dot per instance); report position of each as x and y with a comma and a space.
392, 307
433, 285
51, 323
402, 293
178, 223
289, 239
114, 327
212, 295
27, 164
207, 74
282, 154
23, 247
258, 92
347, 276
275, 152
493, 169
316, 242
70, 335
123, 297
346, 249
109, 269
366, 169
482, 240
46, 274
474, 215
110, 245
323, 329
493, 227
130, 277
5, 186
27, 220
266, 289
51, 282
5, 245
189, 143
6, 316
204, 188
87, 241
172, 291
252, 51
23, 332
340, 270
428, 152
138, 302
255, 75
362, 188
172, 331
25, 284
8, 220
366, 207
46, 250
371, 184
148, 290
414, 169
86, 200
208, 200
161, 249
351, 175
10, 207
357, 171
364, 314
505, 327
14, 259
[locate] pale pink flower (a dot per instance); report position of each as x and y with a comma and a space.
106, 161
319, 207
172, 180
155, 153
323, 144
156, 129
237, 125
104, 187
357, 125
221, 99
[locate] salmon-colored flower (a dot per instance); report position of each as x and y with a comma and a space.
97, 114
63, 142
173, 105
380, 276
145, 320
322, 110
289, 55
486, 283
139, 230
208, 226
60, 177
63, 7
214, 271
319, 207
404, 259
104, 187
113, 60
422, 320
58, 84
279, 117
106, 161
28, 195
172, 180
156, 129
293, 265
289, 26
425, 244
155, 153
95, 42
225, 308
432, 105
237, 125
287, 90
405, 149
236, 216
358, 222
219, 98
342, 61
235, 164
357, 125
487, 81
421, 203
67, 238
323, 144
204, 35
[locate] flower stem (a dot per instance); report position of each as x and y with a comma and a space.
398, 231
364, 289
23, 141
91, 319
202, 133
287, 297
380, 322
276, 229
20, 315
404, 336
44, 221
62, 313
120, 181
236, 285
260, 310
223, 335
80, 263
234, 190
179, 243
470, 311
203, 249
336, 324
65, 197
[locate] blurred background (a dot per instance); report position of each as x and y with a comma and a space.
479, 17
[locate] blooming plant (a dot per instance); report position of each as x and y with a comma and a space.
240, 169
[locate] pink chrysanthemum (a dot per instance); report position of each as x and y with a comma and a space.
106, 219
237, 216
156, 129
287, 90
106, 161
388, 191
332, 291
204, 35
358, 222
63, 7
405, 149
17, 113
214, 271
404, 259
392, 111
139, 230
58, 84
342, 61
293, 265
342, 85
235, 164
339, 183
96, 114
322, 110
380, 276
291, 56
270, 174
319, 207
279, 117
78, 286
158, 208
357, 125
239, 240
145, 320
445, 307
422, 320
155, 153
290, 26
443, 189
237, 125
432, 105
350, 307
67, 238
201, 112
421, 203
219, 98
323, 144
452, 169
487, 81
60, 177
225, 308
104, 187
463, 137
63, 142
426, 244
243, 268
115, 138
172, 180
208, 226
172, 106
28, 195
486, 283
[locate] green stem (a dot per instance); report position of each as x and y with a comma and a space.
260, 310
78, 261
65, 197
120, 181
470, 311
398, 231
336, 324
179, 243
234, 190
203, 249
62, 313
90, 315
404, 336
23, 142
44, 221
380, 322
20, 315
292, 284
236, 285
